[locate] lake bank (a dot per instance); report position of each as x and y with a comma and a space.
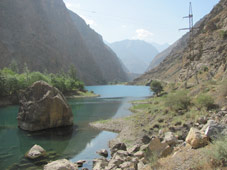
80, 142
166, 118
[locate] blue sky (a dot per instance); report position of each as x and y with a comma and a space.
150, 20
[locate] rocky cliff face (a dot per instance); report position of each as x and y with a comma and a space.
42, 34
207, 60
180, 44
109, 64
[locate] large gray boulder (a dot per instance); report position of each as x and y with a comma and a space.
43, 106
214, 129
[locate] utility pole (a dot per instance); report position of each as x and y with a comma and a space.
191, 47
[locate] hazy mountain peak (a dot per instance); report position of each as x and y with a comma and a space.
135, 54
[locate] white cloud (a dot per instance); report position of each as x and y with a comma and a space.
72, 6
143, 34
89, 21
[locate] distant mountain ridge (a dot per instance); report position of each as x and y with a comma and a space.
46, 36
135, 54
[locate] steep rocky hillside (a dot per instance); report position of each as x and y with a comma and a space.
161, 56
111, 67
135, 54
160, 47
207, 60
42, 34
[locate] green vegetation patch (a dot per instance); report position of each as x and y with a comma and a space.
178, 100
205, 100
11, 81
156, 87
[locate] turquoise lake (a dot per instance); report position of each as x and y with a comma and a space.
75, 143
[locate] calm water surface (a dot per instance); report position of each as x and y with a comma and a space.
78, 142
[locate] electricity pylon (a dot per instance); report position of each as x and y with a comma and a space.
191, 47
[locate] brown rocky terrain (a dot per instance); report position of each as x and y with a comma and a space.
207, 59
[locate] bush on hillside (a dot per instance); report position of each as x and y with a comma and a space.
218, 151
223, 89
204, 100
178, 101
156, 87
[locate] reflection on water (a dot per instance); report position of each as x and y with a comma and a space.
77, 142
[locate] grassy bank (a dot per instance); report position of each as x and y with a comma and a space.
176, 109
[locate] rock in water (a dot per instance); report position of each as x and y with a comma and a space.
35, 152
43, 106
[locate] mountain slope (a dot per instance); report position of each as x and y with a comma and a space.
160, 47
209, 54
135, 54
109, 64
180, 44
42, 34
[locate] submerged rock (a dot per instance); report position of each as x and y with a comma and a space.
62, 164
43, 106
35, 152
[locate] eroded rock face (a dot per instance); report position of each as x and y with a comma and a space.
43, 106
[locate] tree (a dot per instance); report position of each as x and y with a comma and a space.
26, 72
14, 66
2, 84
72, 72
156, 87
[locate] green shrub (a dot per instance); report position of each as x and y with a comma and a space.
178, 101
156, 87
205, 69
204, 100
218, 150
11, 82
37, 76
223, 34
223, 89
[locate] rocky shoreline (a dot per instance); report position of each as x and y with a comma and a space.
139, 154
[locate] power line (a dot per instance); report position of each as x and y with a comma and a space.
132, 20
